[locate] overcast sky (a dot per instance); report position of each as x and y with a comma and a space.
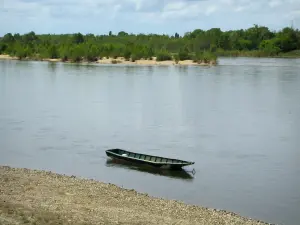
143, 16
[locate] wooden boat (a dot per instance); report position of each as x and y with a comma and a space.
156, 161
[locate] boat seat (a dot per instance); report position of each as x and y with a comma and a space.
164, 160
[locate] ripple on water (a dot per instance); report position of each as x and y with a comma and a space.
54, 148
46, 148
14, 122
17, 128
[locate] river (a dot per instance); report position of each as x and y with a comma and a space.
239, 121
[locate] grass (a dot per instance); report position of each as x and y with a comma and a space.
291, 54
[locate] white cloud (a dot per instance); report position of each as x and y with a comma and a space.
210, 9
150, 16
275, 3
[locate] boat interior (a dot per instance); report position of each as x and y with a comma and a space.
145, 157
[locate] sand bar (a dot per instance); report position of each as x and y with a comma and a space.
41, 197
121, 60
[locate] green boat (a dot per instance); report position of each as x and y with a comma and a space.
152, 160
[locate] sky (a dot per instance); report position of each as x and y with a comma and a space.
144, 16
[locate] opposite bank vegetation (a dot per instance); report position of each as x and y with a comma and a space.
199, 45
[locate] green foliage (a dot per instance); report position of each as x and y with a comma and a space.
76, 53
163, 56
205, 57
184, 54
8, 38
22, 51
197, 45
65, 53
270, 46
133, 57
243, 44
52, 51
127, 54
78, 38
176, 58
92, 54
3, 47
122, 33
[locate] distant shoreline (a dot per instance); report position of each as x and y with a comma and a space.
43, 197
121, 60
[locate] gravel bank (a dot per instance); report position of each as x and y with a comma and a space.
40, 197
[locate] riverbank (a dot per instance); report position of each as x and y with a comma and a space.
121, 60
41, 197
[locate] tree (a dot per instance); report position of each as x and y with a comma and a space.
122, 33
78, 38
77, 53
92, 54
3, 47
184, 54
89, 47
8, 38
243, 44
288, 39
29, 38
53, 52
270, 46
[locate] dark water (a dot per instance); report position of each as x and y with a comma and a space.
239, 121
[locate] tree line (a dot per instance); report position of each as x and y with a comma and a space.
198, 45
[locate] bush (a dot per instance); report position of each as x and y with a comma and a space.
163, 56
133, 57
3, 47
127, 55
184, 55
52, 52
176, 58
115, 61
76, 54
204, 57
92, 54
20, 53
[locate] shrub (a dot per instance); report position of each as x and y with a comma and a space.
115, 61
204, 57
127, 55
176, 58
163, 56
133, 57
184, 55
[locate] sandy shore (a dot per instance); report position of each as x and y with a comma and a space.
7, 57
41, 197
147, 62
121, 60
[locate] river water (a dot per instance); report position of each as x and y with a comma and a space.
239, 121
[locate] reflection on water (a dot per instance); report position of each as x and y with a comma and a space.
179, 174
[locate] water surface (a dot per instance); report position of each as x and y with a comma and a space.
239, 121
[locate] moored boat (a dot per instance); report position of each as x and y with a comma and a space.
152, 160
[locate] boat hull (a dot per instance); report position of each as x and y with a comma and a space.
154, 161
